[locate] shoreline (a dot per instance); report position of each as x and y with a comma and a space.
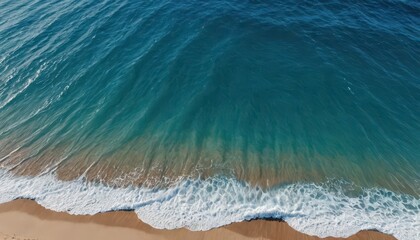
26, 219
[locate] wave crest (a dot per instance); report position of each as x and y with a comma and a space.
204, 204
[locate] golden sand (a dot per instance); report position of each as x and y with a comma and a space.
25, 219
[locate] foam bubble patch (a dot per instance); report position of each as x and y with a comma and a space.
206, 204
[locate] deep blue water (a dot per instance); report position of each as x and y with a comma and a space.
266, 92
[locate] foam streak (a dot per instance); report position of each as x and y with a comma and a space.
206, 204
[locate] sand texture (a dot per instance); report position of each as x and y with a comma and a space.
25, 219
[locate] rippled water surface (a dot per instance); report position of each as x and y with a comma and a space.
201, 97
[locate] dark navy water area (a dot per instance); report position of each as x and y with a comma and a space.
270, 94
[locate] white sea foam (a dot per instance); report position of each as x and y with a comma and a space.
206, 204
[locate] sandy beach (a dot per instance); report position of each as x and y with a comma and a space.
25, 219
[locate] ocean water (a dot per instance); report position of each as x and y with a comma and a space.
201, 113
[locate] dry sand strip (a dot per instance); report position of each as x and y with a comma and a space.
22, 218
4, 236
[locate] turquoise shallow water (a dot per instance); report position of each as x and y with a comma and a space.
266, 93
282, 92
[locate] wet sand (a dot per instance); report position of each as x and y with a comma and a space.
25, 219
